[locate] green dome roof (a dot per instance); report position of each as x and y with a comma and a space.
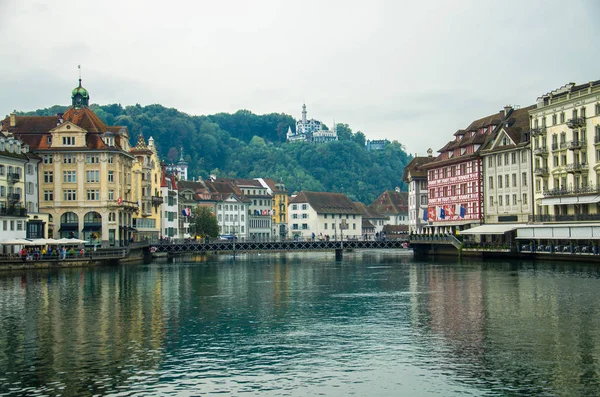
80, 90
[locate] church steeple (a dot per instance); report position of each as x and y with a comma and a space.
80, 96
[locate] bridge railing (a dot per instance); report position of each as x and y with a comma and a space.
435, 239
277, 246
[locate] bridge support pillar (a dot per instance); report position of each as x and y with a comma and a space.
339, 254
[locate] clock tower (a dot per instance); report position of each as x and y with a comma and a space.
80, 97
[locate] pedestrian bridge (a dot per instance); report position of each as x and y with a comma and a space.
263, 246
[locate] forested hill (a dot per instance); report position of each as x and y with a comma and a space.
247, 145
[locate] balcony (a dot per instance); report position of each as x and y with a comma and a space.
577, 144
576, 122
130, 206
572, 191
541, 171
538, 131
12, 210
564, 218
13, 177
576, 167
156, 201
555, 146
12, 197
563, 145
597, 140
541, 151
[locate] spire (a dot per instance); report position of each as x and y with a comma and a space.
80, 96
141, 143
303, 113
181, 160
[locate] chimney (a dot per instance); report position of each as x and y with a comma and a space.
430, 152
13, 119
507, 110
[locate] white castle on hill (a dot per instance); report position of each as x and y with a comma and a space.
311, 131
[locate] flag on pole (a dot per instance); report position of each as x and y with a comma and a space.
425, 215
432, 213
449, 209
442, 213
463, 211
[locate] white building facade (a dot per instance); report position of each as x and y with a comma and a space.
507, 160
324, 214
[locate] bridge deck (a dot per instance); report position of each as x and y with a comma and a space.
274, 246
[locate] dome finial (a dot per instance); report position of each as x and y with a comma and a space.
80, 96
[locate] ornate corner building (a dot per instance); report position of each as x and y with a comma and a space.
85, 173
566, 144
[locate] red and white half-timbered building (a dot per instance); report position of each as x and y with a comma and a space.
455, 178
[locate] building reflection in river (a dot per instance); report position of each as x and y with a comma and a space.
531, 329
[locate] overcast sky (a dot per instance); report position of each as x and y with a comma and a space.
412, 71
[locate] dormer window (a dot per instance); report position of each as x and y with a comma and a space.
504, 141
49, 139
109, 141
68, 141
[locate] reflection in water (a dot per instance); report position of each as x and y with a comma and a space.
375, 324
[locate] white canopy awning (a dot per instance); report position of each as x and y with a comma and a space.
571, 200
559, 232
492, 229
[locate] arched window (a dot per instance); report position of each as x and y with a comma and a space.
69, 217
92, 217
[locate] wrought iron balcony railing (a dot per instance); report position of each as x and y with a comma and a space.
564, 218
577, 144
13, 177
576, 167
576, 122
572, 191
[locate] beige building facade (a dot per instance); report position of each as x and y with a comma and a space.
565, 125
85, 175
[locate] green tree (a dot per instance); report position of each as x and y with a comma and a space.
203, 222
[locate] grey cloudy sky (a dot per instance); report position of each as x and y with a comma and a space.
412, 71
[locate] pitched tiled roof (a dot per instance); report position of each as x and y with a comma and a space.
86, 119
481, 139
274, 186
391, 202
366, 224
330, 203
515, 127
395, 229
34, 130
486, 121
31, 124
415, 167
368, 213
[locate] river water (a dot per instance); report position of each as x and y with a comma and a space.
374, 324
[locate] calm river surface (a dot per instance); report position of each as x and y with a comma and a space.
375, 324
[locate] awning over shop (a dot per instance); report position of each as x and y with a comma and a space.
68, 227
91, 228
562, 232
571, 200
491, 229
